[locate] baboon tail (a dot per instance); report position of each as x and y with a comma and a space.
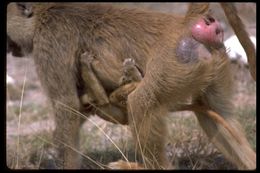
238, 152
242, 35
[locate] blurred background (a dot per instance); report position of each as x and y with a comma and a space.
30, 122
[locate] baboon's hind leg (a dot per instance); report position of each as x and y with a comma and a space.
237, 151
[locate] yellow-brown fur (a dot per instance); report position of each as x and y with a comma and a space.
57, 35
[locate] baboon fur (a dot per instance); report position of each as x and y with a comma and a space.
57, 34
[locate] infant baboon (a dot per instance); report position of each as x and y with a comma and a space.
131, 75
95, 94
57, 34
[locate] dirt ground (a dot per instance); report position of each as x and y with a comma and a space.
29, 120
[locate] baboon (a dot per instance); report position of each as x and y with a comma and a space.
215, 94
58, 34
188, 51
129, 81
131, 75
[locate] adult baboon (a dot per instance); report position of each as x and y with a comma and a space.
57, 34
130, 80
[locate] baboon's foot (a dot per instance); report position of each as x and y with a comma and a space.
86, 58
124, 165
131, 72
119, 96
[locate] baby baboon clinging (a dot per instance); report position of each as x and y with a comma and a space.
95, 94
128, 81
58, 34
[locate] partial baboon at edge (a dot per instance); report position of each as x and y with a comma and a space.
58, 35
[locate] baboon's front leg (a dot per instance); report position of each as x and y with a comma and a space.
65, 102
